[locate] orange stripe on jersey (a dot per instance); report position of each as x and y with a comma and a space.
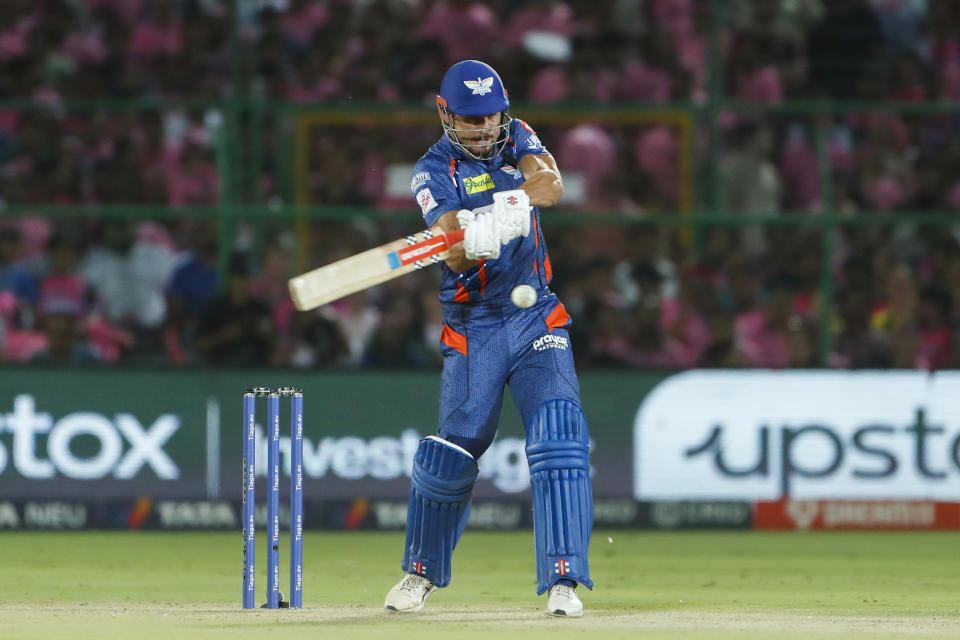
453, 170
483, 275
547, 268
462, 295
557, 318
454, 340
536, 242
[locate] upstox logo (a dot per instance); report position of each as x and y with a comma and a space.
808, 435
125, 445
482, 182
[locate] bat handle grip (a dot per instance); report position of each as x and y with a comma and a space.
454, 237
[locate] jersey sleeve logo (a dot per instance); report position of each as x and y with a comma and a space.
426, 201
483, 182
419, 180
533, 141
480, 87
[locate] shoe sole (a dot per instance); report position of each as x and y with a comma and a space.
392, 609
560, 613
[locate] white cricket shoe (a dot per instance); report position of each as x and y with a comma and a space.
409, 595
563, 601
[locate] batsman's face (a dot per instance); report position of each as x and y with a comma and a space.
478, 133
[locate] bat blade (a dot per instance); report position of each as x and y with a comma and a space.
393, 259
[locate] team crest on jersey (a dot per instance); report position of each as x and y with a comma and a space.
426, 201
511, 171
483, 182
480, 87
550, 341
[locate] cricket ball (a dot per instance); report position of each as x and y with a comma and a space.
523, 296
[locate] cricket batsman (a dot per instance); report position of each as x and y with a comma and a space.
489, 174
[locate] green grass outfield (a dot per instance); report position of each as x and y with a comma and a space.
711, 585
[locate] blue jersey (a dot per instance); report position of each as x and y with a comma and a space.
445, 179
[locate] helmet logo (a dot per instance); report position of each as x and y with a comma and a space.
480, 87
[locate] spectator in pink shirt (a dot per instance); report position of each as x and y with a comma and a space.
63, 287
762, 335
657, 76
539, 15
588, 151
761, 84
685, 330
657, 151
766, 60
17, 19
674, 15
302, 21
195, 181
83, 43
642, 82
161, 35
465, 29
549, 85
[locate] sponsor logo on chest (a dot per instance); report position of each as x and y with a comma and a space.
480, 183
550, 341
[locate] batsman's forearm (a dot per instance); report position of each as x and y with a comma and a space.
544, 187
458, 261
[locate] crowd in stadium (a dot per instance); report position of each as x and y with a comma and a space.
118, 290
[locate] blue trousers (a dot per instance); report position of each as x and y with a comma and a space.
488, 348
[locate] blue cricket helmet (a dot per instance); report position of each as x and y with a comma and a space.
473, 88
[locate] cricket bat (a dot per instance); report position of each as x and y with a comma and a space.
386, 262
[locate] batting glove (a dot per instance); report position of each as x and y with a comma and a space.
481, 238
512, 209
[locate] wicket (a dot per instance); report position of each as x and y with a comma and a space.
273, 496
